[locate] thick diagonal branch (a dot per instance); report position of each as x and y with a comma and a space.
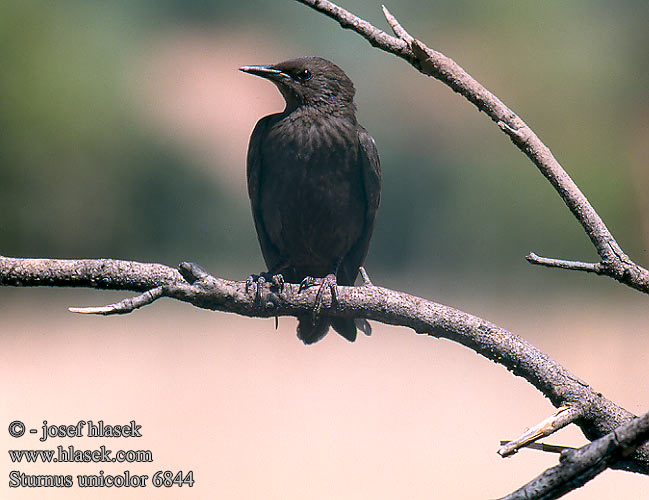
597, 415
614, 262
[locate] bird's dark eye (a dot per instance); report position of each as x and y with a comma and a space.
304, 75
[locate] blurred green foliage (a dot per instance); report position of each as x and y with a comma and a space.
81, 177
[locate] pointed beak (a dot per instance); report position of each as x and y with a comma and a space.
263, 71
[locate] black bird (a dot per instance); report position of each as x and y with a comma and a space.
314, 182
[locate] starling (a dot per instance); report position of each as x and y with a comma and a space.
314, 182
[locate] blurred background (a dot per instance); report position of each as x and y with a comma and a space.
123, 134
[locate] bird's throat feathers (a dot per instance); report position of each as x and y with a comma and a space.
318, 104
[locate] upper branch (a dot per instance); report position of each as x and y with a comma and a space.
614, 262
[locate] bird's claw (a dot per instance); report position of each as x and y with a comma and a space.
260, 281
276, 280
308, 282
250, 280
328, 281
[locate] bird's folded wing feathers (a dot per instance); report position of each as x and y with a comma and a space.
370, 165
254, 174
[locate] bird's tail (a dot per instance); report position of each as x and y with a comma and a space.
309, 333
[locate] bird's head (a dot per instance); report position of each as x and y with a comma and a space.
309, 81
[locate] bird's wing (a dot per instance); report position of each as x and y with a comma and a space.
255, 177
368, 157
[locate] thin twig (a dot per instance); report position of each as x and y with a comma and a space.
366, 277
549, 448
558, 420
396, 27
575, 265
125, 306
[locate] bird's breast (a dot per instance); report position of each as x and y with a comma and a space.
311, 191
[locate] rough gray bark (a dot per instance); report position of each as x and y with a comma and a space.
596, 415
